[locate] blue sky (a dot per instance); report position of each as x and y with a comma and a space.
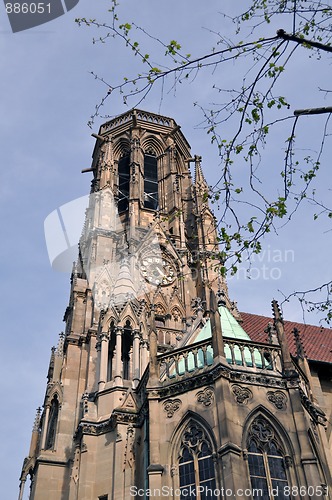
47, 96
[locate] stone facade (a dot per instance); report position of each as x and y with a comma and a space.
149, 390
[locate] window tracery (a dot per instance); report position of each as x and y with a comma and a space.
196, 465
266, 460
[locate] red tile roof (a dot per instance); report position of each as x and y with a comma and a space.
316, 340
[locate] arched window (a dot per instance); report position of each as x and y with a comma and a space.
150, 181
196, 465
127, 343
124, 178
111, 351
266, 462
52, 423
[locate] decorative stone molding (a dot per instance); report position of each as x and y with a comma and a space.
314, 411
228, 449
118, 417
85, 401
129, 452
186, 384
193, 436
174, 470
315, 431
205, 397
261, 430
76, 465
278, 399
171, 406
242, 394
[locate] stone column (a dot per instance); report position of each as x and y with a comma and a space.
144, 354
45, 425
22, 484
98, 348
216, 330
103, 360
118, 360
153, 337
155, 470
136, 353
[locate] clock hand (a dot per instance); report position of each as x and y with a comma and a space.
161, 273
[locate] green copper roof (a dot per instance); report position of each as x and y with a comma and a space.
233, 330
234, 354
230, 327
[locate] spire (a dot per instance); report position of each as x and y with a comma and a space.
60, 346
216, 331
124, 288
58, 358
36, 424
51, 365
35, 434
200, 181
300, 352
279, 326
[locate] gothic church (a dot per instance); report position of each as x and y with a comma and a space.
159, 387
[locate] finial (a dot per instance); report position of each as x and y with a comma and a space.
199, 176
36, 424
288, 368
60, 346
276, 311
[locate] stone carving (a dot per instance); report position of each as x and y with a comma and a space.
193, 436
129, 452
85, 402
76, 465
242, 394
160, 310
205, 397
171, 406
261, 430
278, 399
174, 471
315, 412
176, 314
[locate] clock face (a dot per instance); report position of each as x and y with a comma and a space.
157, 270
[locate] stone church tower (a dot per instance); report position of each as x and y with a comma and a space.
155, 389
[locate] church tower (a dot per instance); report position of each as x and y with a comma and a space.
155, 389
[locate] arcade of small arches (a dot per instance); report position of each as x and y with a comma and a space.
124, 349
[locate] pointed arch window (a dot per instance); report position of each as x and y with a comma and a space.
150, 181
124, 179
196, 464
111, 352
267, 467
52, 424
127, 344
